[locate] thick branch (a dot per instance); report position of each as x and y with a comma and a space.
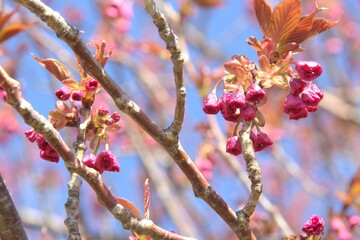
11, 227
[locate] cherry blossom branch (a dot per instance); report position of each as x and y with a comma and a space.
91, 176
177, 58
11, 226
72, 207
201, 187
253, 170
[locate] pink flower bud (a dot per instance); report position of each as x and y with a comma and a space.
50, 155
211, 104
63, 93
231, 117
262, 141
102, 111
92, 85
308, 70
225, 106
106, 161
297, 86
295, 107
31, 135
115, 116
109, 121
42, 143
255, 93
89, 160
309, 97
77, 95
237, 100
317, 90
310, 108
314, 226
233, 145
248, 113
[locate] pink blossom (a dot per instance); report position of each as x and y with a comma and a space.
115, 116
77, 95
309, 97
211, 104
262, 141
92, 85
63, 93
255, 93
237, 100
31, 135
89, 160
295, 107
314, 226
106, 161
233, 145
308, 70
297, 86
248, 113
50, 155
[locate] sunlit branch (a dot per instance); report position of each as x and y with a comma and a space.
72, 207
177, 58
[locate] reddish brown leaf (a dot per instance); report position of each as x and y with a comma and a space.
302, 31
129, 205
284, 20
11, 30
263, 15
55, 67
320, 25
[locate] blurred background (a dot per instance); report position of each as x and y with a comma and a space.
312, 167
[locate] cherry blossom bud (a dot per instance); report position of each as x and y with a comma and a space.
31, 135
317, 90
237, 100
308, 70
225, 106
309, 97
115, 116
255, 93
211, 104
297, 86
295, 107
50, 155
102, 111
233, 145
109, 121
310, 108
63, 93
106, 161
248, 113
314, 226
262, 141
92, 85
42, 143
89, 160
77, 95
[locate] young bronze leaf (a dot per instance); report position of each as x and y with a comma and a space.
11, 30
129, 205
55, 67
263, 15
284, 20
302, 31
4, 17
320, 25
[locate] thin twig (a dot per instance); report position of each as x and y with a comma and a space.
177, 58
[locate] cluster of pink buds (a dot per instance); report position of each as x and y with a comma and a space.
76, 92
313, 227
304, 95
2, 93
104, 161
47, 152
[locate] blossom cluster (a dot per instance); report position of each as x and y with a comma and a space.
244, 92
313, 227
73, 99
